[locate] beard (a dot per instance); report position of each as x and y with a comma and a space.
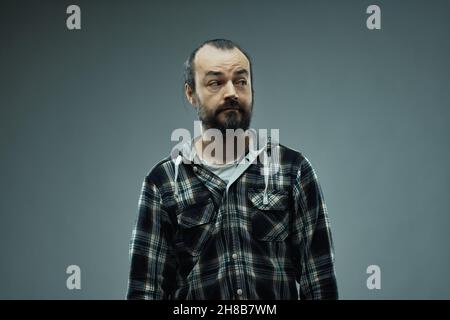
235, 117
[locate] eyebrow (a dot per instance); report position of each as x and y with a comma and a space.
214, 73
219, 73
242, 72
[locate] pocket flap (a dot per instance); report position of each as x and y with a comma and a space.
196, 215
277, 200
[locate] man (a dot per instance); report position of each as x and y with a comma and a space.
222, 224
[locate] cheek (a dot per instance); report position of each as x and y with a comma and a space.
212, 101
247, 101
246, 95
206, 98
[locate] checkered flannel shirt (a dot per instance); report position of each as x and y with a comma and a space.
201, 241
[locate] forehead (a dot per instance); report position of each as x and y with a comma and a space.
209, 58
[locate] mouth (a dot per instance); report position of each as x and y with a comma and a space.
230, 109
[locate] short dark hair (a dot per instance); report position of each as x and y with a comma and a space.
223, 44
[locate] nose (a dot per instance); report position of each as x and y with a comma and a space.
230, 91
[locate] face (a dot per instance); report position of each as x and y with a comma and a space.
223, 95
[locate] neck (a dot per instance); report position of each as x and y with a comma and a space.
222, 148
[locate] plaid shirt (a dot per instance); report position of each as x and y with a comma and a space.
193, 239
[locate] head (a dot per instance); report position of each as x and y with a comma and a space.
218, 83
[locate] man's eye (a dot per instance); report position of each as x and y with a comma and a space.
214, 83
242, 82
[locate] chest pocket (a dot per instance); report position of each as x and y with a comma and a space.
195, 223
269, 222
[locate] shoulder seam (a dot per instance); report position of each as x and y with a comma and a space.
159, 163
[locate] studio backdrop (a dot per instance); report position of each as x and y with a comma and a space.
90, 92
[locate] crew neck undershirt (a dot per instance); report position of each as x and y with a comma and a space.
223, 171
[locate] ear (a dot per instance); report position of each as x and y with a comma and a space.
190, 95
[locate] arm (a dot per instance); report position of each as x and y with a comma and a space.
312, 240
152, 272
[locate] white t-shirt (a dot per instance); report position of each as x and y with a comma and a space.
230, 172
223, 171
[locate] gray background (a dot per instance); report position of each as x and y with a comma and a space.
85, 115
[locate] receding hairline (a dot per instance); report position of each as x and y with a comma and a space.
243, 54
190, 72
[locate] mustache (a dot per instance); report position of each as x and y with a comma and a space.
232, 104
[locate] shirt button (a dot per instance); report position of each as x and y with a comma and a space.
239, 291
195, 169
234, 256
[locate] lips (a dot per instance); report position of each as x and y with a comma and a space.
229, 109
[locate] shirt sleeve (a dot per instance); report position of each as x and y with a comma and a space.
312, 240
152, 271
